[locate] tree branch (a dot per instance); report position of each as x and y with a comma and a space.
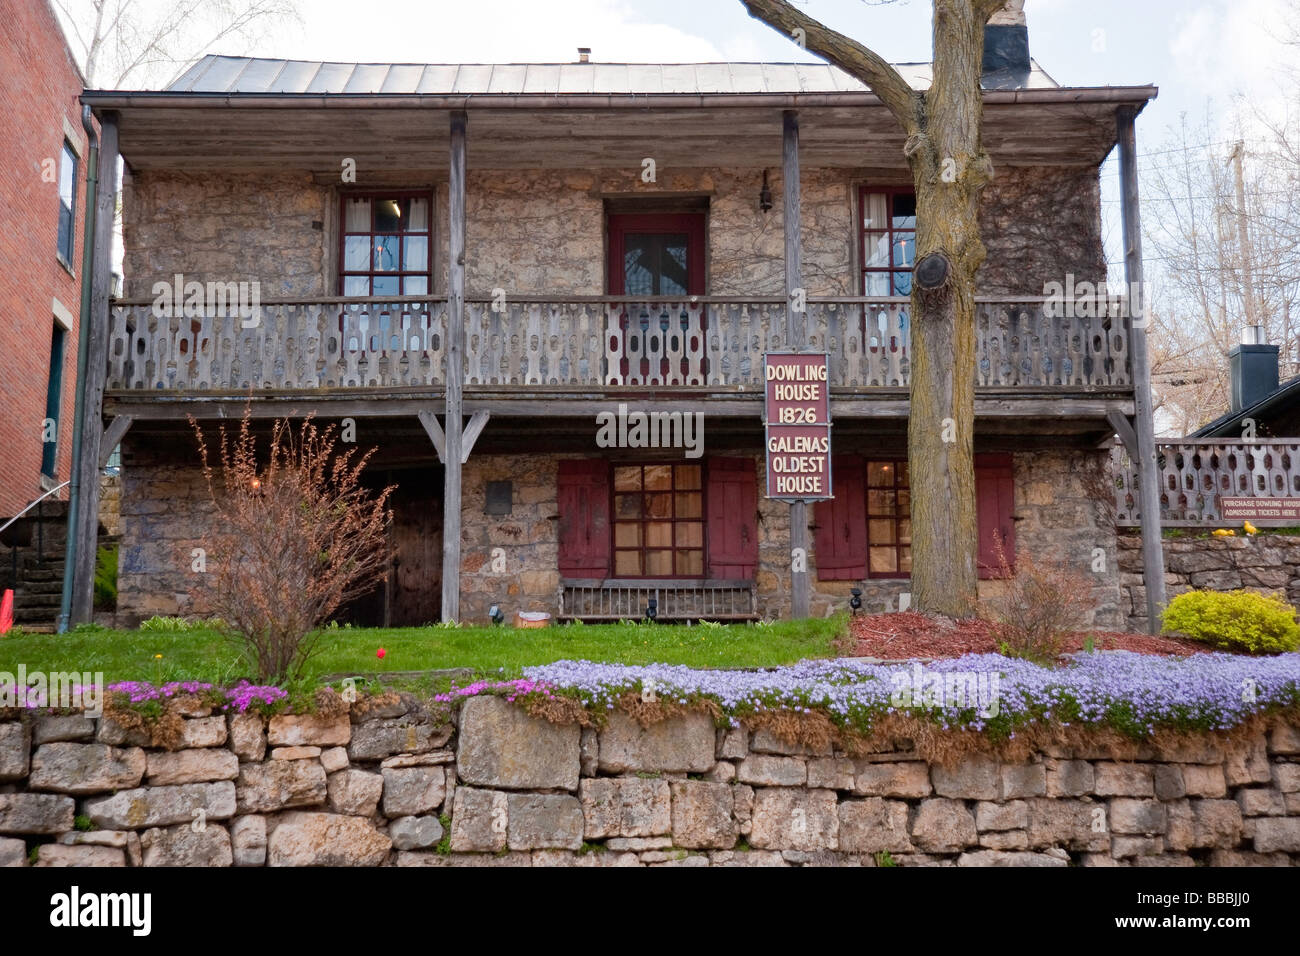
849, 55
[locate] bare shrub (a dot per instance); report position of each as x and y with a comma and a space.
295, 537
1043, 603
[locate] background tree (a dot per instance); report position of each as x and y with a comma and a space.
950, 169
146, 43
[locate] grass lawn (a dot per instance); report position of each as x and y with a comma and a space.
203, 655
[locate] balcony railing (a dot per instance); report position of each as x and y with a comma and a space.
590, 342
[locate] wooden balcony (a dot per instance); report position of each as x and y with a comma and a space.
569, 350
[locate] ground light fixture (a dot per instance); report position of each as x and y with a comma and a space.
652, 610
494, 612
855, 602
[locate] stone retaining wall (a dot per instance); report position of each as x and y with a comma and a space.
1261, 562
390, 784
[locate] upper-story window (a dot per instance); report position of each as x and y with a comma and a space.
67, 199
386, 244
888, 240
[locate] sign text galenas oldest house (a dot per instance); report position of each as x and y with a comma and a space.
798, 421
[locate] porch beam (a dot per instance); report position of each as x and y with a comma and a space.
478, 421
430, 422
1124, 429
451, 457
85, 521
113, 436
1153, 561
797, 321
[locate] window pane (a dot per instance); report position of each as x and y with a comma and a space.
874, 207
875, 249
390, 213
690, 562
689, 505
881, 531
880, 474
902, 283
415, 285
905, 561
67, 176
904, 500
65, 233
627, 478
356, 285
659, 563
658, 477
659, 506
904, 211
627, 506
905, 531
881, 502
416, 254
386, 253
688, 477
659, 534
357, 217
883, 560
654, 263
902, 472
627, 534
904, 248
627, 563
876, 283
690, 534
356, 254
418, 219
386, 285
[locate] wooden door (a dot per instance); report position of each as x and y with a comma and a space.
653, 255
415, 581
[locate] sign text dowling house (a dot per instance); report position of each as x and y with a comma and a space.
797, 413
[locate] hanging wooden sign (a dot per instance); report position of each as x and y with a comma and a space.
797, 416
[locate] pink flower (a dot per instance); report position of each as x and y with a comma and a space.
380, 653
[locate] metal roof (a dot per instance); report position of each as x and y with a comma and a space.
238, 74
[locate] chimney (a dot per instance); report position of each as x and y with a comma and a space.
1253, 368
1006, 49
584, 54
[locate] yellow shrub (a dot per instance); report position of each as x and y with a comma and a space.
1240, 621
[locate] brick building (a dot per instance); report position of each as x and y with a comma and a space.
42, 194
604, 236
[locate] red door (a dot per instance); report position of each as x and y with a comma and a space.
651, 255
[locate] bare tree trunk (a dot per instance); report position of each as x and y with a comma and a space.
949, 170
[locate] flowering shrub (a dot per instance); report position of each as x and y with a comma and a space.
236, 699
1240, 621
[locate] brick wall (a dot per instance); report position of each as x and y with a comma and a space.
42, 84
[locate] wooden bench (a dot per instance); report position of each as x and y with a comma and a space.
619, 599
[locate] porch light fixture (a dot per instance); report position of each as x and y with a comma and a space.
494, 612
855, 602
652, 609
765, 195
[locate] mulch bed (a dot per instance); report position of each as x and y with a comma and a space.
905, 635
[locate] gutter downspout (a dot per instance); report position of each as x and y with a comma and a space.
83, 358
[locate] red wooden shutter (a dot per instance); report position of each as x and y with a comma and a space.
733, 518
995, 504
841, 523
583, 497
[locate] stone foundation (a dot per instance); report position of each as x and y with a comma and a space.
1263, 562
393, 785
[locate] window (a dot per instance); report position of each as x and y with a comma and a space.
67, 200
386, 244
889, 520
53, 401
658, 521
888, 241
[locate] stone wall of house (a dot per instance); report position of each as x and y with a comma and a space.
1267, 563
390, 783
541, 232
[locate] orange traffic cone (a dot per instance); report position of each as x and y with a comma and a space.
7, 612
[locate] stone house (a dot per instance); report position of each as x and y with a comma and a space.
609, 236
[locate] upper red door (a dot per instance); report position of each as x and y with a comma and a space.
656, 254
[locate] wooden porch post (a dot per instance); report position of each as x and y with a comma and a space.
798, 333
455, 373
1153, 561
95, 327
